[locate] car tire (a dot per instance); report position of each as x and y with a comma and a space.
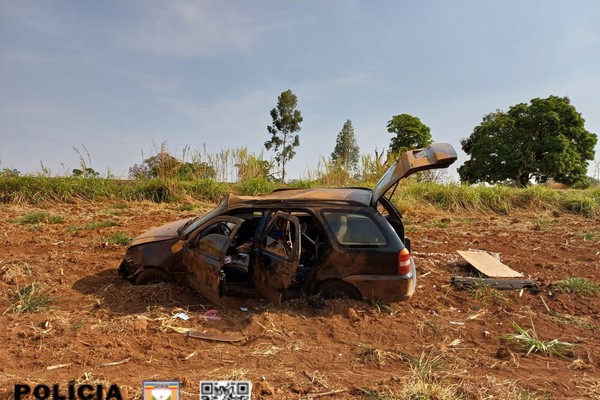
337, 289
152, 275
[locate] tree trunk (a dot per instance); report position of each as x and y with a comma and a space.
522, 180
283, 171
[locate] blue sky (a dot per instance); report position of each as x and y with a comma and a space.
119, 77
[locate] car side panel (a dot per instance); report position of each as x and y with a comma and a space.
372, 270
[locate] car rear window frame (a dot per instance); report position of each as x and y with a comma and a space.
373, 220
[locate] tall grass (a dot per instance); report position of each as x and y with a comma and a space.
36, 189
246, 173
410, 194
498, 199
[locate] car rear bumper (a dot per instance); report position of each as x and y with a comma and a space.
387, 288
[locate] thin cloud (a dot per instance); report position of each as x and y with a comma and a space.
244, 115
191, 29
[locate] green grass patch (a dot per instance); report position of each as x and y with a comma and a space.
486, 293
544, 224
39, 218
590, 236
567, 319
118, 238
187, 207
93, 225
29, 299
442, 224
467, 220
579, 286
528, 341
578, 203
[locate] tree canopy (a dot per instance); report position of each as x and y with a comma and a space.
543, 140
85, 173
410, 133
346, 151
286, 121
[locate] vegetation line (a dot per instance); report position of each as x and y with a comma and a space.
411, 194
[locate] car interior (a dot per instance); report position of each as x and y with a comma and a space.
278, 241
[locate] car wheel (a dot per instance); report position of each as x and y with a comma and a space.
152, 275
336, 289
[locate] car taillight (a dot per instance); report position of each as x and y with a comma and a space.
403, 262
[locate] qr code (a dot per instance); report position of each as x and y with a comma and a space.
225, 390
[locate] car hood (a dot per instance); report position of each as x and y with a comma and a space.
436, 155
164, 232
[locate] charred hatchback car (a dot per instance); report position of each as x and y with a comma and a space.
344, 242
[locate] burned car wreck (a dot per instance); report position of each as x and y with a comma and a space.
341, 242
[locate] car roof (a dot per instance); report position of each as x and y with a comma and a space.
350, 196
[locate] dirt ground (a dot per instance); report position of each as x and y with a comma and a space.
101, 329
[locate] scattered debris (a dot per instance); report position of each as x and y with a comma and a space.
214, 336
475, 316
211, 315
500, 284
177, 329
545, 305
110, 364
51, 367
182, 315
488, 265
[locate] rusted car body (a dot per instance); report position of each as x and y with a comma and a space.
341, 242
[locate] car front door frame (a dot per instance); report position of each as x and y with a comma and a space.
203, 271
273, 273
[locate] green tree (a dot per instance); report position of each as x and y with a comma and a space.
286, 122
410, 133
85, 173
543, 140
346, 151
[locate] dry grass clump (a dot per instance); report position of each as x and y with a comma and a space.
15, 271
591, 387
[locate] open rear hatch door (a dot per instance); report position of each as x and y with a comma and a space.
277, 255
436, 155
